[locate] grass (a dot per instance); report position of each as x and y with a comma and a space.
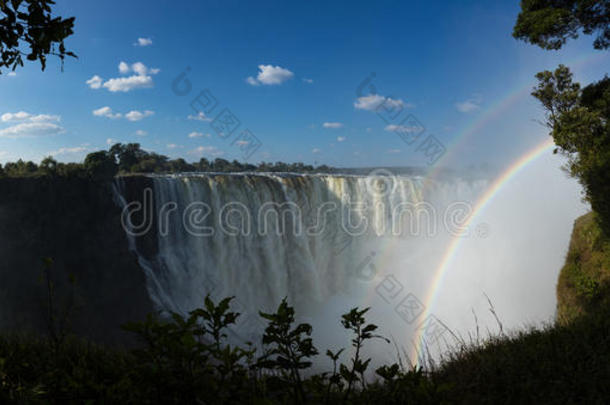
562, 363
185, 360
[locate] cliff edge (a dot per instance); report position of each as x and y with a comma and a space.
584, 282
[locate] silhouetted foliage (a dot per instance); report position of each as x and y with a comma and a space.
288, 348
550, 23
579, 120
186, 359
355, 322
31, 23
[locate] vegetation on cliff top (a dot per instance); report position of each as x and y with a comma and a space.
131, 158
584, 282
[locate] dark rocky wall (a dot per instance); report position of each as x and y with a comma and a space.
77, 224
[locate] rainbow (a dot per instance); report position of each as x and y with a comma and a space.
453, 148
487, 116
450, 253
481, 120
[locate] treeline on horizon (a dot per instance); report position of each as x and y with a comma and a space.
132, 159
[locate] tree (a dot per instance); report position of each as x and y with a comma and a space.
128, 155
100, 165
151, 163
578, 119
203, 165
180, 165
550, 23
30, 23
580, 126
20, 168
48, 166
220, 165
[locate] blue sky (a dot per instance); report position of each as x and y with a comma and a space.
285, 70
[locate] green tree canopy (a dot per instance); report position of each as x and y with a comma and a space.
100, 165
579, 120
550, 23
30, 23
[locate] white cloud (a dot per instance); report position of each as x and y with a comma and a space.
315, 150
12, 74
110, 141
138, 68
13, 117
270, 75
140, 132
310, 81
68, 151
198, 135
30, 125
124, 68
143, 42
45, 118
26, 129
241, 143
468, 105
125, 84
95, 82
22, 116
374, 101
199, 117
141, 79
333, 125
173, 146
341, 138
106, 112
208, 150
138, 115
402, 128
142, 70
133, 115
393, 150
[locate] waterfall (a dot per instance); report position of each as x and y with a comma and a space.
261, 237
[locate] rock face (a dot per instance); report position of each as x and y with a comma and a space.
76, 223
